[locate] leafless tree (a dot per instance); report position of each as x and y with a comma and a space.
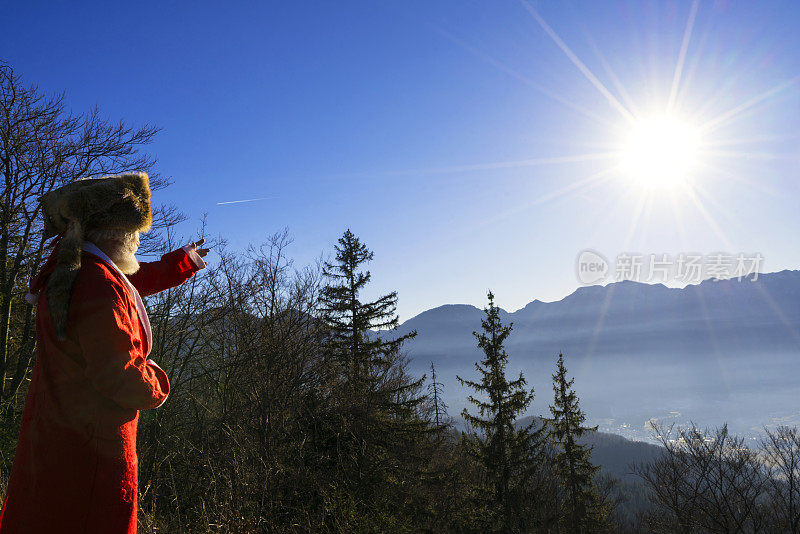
706, 482
240, 343
780, 450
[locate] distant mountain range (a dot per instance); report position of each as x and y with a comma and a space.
717, 351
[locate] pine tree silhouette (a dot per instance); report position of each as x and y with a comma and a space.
508, 454
377, 401
583, 510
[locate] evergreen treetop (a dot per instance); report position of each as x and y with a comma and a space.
353, 324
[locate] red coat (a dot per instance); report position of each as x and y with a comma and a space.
75, 468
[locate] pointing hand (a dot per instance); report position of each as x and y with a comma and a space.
200, 251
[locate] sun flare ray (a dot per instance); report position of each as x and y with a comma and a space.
687, 34
760, 156
732, 113
578, 63
495, 165
588, 182
582, 184
502, 67
715, 227
618, 85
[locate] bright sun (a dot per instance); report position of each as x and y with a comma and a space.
660, 152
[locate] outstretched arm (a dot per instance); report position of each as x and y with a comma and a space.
173, 269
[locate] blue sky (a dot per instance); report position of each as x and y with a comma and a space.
456, 138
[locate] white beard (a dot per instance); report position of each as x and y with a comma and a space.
128, 264
120, 248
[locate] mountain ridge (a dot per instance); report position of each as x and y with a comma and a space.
715, 344
584, 289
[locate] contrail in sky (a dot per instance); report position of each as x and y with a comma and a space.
245, 200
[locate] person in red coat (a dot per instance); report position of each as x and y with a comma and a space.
75, 469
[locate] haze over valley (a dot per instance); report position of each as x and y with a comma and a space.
715, 352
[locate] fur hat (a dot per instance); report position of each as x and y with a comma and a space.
112, 202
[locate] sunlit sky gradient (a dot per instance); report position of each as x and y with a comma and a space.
470, 144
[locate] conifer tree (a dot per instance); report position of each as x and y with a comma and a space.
508, 455
351, 322
583, 510
438, 404
377, 401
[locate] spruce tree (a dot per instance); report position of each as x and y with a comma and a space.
439, 407
352, 323
508, 455
583, 510
377, 401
